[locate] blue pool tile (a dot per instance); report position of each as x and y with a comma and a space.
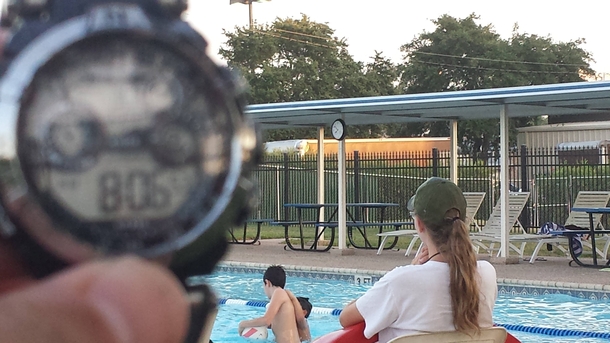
503, 289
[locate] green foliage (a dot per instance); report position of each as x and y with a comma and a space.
278, 156
299, 59
9, 171
477, 169
559, 187
292, 60
461, 54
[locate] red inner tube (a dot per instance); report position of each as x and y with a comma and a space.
355, 334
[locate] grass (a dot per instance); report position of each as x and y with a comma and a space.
277, 232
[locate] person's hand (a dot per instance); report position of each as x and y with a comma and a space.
240, 327
112, 301
421, 257
121, 300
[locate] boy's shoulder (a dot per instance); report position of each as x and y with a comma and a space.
280, 293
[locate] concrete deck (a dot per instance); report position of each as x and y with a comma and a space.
554, 269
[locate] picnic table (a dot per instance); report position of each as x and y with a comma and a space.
358, 220
243, 239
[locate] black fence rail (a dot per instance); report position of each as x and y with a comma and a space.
553, 177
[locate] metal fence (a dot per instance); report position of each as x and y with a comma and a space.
553, 177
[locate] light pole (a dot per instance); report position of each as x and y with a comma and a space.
249, 3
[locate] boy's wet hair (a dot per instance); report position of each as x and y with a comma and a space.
276, 275
306, 305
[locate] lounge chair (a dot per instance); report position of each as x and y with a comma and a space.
491, 231
473, 203
489, 335
580, 219
384, 236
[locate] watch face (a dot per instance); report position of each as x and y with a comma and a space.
338, 129
124, 143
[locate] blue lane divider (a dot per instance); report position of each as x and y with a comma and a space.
555, 332
317, 310
509, 327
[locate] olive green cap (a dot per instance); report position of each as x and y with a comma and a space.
434, 198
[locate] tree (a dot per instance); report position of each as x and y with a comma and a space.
381, 77
296, 60
463, 55
292, 60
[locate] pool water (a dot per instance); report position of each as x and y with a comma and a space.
550, 311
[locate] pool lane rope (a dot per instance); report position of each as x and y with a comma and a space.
510, 327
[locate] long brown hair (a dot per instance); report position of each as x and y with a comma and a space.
453, 242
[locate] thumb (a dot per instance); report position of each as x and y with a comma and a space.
125, 300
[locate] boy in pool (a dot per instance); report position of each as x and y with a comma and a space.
302, 309
280, 314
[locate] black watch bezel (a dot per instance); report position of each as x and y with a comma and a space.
177, 34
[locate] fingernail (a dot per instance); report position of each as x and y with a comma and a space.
113, 316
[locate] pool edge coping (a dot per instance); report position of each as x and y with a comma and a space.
380, 273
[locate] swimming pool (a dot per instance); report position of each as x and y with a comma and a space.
518, 312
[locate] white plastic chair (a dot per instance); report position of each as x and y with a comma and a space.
580, 219
491, 231
473, 203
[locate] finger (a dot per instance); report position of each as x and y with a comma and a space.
11, 266
29, 215
423, 252
4, 37
126, 300
12, 271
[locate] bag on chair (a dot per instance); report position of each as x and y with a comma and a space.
574, 239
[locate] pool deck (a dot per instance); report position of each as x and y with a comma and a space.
555, 271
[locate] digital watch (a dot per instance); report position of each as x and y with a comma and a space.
119, 135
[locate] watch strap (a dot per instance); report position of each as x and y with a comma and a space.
203, 313
39, 261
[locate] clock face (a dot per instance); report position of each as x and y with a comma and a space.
123, 145
338, 129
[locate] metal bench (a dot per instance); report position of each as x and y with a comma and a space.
361, 227
244, 239
320, 229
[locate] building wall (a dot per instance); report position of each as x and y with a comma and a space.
426, 144
549, 136
603, 76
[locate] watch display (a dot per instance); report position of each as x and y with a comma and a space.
120, 136
121, 146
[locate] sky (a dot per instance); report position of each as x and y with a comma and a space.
385, 25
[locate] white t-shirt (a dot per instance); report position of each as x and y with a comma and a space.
416, 299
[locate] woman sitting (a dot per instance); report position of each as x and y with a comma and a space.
445, 288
